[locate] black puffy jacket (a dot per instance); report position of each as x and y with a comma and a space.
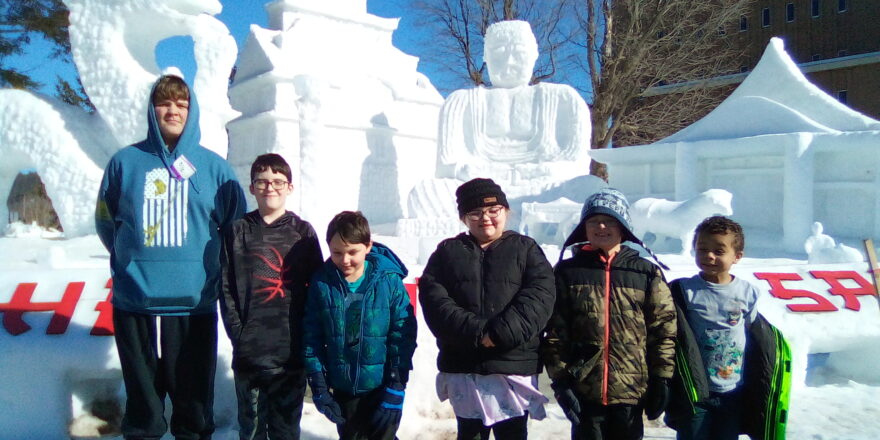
505, 291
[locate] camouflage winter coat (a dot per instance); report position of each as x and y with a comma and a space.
612, 327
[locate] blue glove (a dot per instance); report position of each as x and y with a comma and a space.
323, 400
390, 410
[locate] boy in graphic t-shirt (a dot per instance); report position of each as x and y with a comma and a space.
721, 338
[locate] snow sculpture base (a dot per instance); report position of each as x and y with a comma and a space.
549, 222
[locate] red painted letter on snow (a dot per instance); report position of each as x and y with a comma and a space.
14, 310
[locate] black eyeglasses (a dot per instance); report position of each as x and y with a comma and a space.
276, 184
491, 212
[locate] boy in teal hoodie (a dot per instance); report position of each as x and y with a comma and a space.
359, 333
162, 205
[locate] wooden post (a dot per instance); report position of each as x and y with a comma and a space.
873, 265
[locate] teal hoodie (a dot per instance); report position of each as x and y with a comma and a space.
164, 234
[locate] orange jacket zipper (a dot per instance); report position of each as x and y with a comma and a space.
607, 328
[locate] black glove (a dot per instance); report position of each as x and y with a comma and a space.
657, 397
389, 411
568, 401
323, 400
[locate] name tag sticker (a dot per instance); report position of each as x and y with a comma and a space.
182, 168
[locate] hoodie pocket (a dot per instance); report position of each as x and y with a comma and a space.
171, 285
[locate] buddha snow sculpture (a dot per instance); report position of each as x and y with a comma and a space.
512, 131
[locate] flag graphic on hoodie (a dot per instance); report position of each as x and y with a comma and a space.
164, 215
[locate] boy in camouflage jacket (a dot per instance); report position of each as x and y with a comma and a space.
609, 346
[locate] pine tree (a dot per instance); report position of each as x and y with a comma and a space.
22, 21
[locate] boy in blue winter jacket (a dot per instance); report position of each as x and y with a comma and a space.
162, 205
359, 333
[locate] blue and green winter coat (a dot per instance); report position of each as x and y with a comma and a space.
385, 334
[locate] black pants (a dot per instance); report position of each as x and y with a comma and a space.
270, 407
717, 418
184, 372
515, 428
611, 422
357, 412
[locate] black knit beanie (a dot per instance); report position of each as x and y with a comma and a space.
478, 193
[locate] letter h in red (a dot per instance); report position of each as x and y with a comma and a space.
14, 310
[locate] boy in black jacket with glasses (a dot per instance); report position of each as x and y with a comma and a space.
267, 260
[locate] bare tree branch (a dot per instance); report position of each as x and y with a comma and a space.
649, 43
457, 29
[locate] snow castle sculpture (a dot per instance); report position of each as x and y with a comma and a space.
112, 44
325, 88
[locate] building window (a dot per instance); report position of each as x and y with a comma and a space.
841, 5
789, 12
765, 17
721, 31
743, 23
817, 56
841, 96
842, 53
814, 8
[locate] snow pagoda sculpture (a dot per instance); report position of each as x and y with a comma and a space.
788, 152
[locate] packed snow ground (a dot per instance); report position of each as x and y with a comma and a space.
38, 372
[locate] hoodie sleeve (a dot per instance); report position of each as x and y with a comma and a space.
229, 299
313, 330
308, 258
527, 313
230, 202
448, 321
402, 332
107, 205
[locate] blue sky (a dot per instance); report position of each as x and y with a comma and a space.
238, 15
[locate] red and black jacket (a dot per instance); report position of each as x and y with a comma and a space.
265, 273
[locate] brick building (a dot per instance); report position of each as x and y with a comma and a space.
836, 43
